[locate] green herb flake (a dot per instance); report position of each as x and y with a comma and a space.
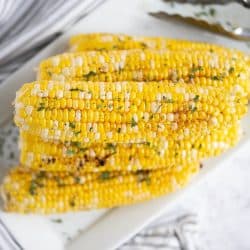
41, 174
196, 69
72, 125
76, 89
110, 146
90, 74
77, 132
218, 77
41, 106
212, 12
57, 220
119, 130
77, 180
231, 70
192, 108
110, 106
105, 175
91, 129
133, 122
76, 144
201, 13
196, 98
167, 100
33, 187
70, 152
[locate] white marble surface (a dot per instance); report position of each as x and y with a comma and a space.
222, 202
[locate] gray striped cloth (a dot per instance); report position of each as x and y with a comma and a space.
26, 26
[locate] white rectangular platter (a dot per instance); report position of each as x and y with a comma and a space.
108, 229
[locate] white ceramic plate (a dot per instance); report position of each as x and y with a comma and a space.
105, 229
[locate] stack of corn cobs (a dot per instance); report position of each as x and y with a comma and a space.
122, 119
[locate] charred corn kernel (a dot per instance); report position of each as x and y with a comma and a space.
107, 41
40, 192
140, 65
189, 146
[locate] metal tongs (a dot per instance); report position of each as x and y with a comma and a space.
245, 3
237, 32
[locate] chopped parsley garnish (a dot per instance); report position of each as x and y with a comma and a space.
194, 70
57, 220
90, 74
212, 12
119, 130
70, 152
192, 108
133, 122
219, 77
99, 106
41, 174
196, 98
76, 144
76, 89
167, 100
41, 106
72, 125
110, 146
33, 187
105, 175
231, 70
77, 179
77, 132
201, 13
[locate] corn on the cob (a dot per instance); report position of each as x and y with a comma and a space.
107, 41
138, 65
71, 156
124, 114
40, 192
